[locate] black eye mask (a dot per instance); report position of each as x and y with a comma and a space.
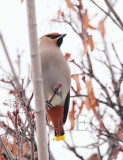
53, 36
59, 38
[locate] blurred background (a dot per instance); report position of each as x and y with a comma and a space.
93, 49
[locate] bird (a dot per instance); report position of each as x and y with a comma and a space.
56, 81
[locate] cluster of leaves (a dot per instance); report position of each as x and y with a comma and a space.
18, 127
12, 149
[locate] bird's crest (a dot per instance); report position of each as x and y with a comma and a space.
52, 35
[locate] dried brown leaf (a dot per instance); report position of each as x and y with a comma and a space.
91, 97
121, 99
26, 147
60, 14
91, 27
80, 108
7, 143
87, 103
70, 5
76, 78
80, 5
85, 19
71, 115
1, 156
85, 45
67, 56
120, 136
94, 157
91, 42
102, 28
14, 149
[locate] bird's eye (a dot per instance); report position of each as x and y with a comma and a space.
53, 36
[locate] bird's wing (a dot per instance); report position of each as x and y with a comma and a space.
66, 107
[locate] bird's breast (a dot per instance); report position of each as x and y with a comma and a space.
54, 70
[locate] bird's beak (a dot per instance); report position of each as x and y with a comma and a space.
62, 36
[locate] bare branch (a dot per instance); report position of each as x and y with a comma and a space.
9, 61
114, 12
108, 14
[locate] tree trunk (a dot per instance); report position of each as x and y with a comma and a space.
37, 82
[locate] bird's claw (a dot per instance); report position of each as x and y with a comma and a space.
57, 92
48, 105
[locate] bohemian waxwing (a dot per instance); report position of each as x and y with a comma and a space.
55, 72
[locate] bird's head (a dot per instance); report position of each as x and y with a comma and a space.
54, 38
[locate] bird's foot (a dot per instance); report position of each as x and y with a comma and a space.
57, 92
48, 105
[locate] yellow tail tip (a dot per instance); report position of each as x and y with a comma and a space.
59, 138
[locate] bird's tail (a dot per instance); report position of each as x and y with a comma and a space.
56, 116
59, 134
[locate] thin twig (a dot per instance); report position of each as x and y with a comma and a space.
114, 12
9, 61
107, 13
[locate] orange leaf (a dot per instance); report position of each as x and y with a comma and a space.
76, 78
90, 42
14, 92
67, 56
71, 115
70, 5
102, 28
